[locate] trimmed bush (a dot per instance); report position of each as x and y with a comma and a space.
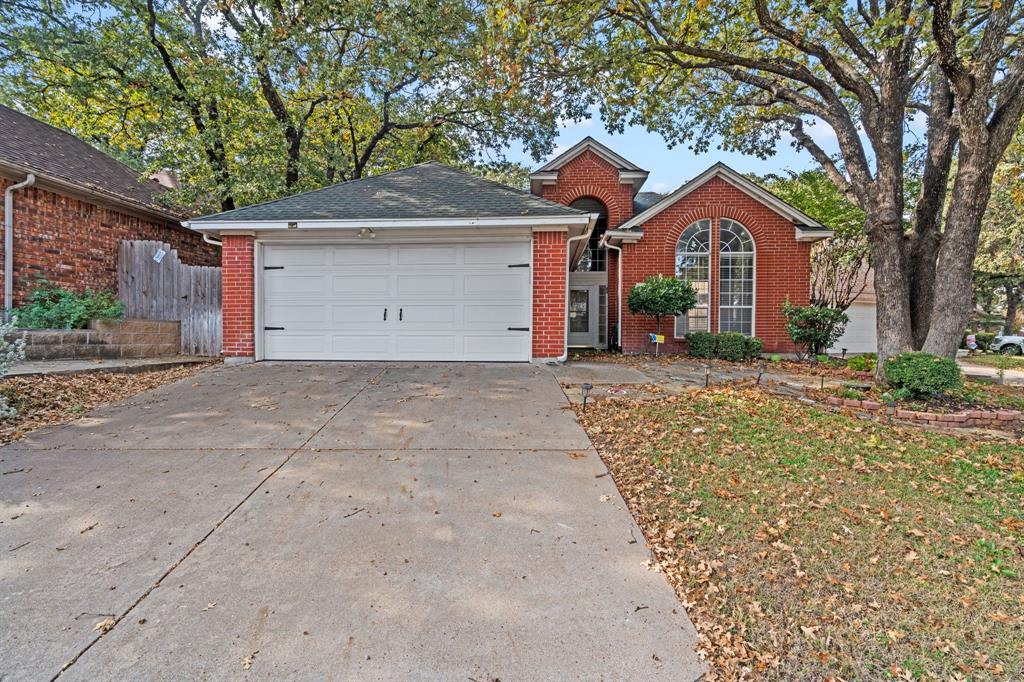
53, 307
701, 344
731, 346
659, 296
814, 327
923, 374
753, 348
863, 363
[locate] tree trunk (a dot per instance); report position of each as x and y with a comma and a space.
892, 291
954, 293
1013, 293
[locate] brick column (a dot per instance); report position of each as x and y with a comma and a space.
550, 279
237, 294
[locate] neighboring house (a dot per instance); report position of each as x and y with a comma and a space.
67, 224
432, 263
860, 335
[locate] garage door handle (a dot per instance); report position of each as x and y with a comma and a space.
519, 329
385, 314
273, 329
520, 265
399, 314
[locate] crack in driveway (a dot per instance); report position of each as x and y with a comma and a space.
373, 381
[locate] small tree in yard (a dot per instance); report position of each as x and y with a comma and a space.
11, 351
660, 296
814, 327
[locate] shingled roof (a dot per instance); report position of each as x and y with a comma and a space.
426, 190
31, 146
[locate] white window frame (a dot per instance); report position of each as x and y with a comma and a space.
675, 256
753, 277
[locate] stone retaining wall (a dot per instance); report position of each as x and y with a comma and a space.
999, 419
104, 340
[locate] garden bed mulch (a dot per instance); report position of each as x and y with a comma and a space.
809, 544
48, 400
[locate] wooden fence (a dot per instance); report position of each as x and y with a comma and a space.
161, 287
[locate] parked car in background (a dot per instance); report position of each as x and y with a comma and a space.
1008, 345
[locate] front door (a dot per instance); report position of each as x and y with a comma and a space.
583, 316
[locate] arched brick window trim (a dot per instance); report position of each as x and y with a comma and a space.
611, 205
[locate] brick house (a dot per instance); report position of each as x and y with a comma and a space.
432, 263
67, 222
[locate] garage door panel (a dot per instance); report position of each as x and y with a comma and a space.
348, 316
495, 314
482, 346
291, 314
512, 285
424, 286
359, 256
497, 254
280, 284
429, 314
426, 345
296, 257
457, 302
414, 256
361, 285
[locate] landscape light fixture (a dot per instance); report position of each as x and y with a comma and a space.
585, 392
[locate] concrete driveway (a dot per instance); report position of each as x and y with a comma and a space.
329, 521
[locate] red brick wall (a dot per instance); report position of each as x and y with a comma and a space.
588, 175
782, 264
237, 296
549, 282
73, 243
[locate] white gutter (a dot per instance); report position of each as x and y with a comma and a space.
618, 300
385, 223
210, 240
9, 239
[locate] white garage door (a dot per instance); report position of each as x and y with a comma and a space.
859, 336
397, 302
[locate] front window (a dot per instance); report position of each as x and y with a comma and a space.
693, 265
735, 278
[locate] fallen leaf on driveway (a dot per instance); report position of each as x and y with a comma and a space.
496, 515
247, 663
104, 625
605, 498
577, 455
210, 606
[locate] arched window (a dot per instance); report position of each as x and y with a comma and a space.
735, 278
693, 264
594, 259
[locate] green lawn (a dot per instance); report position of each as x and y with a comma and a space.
807, 543
995, 360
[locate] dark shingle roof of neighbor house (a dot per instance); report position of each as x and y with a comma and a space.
36, 147
644, 200
426, 190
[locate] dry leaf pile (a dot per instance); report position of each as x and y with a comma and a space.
808, 545
55, 399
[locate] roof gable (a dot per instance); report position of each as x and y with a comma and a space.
426, 191
589, 143
31, 146
803, 222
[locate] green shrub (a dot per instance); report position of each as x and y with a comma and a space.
53, 307
754, 347
983, 339
731, 346
922, 374
660, 296
814, 327
863, 363
700, 344
776, 357
12, 350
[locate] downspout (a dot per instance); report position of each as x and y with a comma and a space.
568, 256
618, 298
29, 180
210, 240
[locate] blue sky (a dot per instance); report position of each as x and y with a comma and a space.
672, 167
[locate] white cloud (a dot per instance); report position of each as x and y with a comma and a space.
661, 187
